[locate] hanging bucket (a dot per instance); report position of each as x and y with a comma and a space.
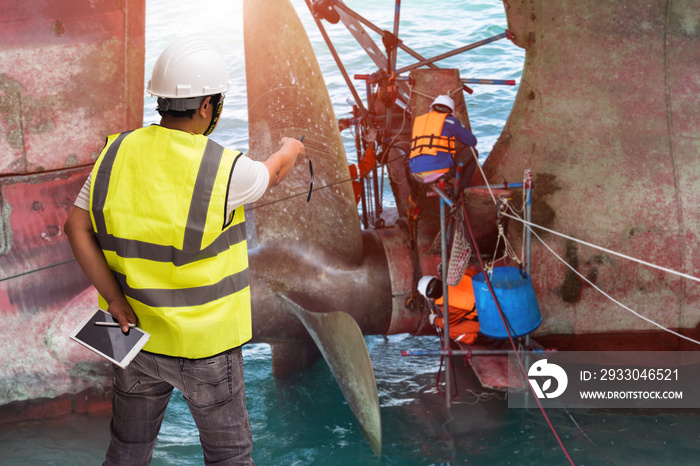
516, 297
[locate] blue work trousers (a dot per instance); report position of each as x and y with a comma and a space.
215, 393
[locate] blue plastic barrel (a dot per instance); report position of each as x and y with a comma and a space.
516, 297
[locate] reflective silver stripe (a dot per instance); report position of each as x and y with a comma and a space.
194, 229
128, 248
201, 195
100, 184
186, 297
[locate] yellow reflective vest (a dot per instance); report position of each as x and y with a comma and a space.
427, 139
158, 208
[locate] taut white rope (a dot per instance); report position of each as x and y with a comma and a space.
483, 175
633, 259
608, 296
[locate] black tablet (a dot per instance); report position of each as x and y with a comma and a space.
102, 334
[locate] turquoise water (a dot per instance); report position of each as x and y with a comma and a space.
305, 420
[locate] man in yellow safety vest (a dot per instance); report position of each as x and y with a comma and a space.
159, 230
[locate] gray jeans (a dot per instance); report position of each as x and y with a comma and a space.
215, 393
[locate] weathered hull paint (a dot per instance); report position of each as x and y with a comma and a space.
71, 73
606, 116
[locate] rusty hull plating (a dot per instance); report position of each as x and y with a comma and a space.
606, 116
71, 73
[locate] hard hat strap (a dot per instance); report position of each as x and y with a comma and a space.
218, 102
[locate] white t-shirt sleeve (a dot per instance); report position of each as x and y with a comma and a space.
83, 200
249, 182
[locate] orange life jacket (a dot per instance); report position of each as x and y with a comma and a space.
427, 139
462, 313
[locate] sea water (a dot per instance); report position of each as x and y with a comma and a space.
305, 419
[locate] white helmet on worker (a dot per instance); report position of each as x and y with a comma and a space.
186, 72
430, 287
445, 101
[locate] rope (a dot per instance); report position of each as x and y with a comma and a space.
611, 298
421, 93
488, 186
586, 435
510, 337
391, 144
433, 97
480, 396
529, 226
37, 270
508, 251
600, 248
585, 243
455, 91
330, 185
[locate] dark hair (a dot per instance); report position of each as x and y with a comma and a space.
189, 113
442, 108
215, 99
434, 289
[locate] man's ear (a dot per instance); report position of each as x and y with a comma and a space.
204, 106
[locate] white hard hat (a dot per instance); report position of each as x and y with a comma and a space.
445, 100
189, 67
430, 287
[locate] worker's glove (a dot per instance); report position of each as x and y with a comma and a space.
432, 318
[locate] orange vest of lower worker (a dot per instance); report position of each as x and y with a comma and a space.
462, 312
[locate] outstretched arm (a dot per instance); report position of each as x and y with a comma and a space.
279, 163
89, 255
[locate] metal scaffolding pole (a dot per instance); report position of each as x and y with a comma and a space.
444, 200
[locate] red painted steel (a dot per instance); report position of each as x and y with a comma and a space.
71, 73
606, 117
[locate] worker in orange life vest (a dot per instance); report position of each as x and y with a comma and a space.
433, 150
463, 319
